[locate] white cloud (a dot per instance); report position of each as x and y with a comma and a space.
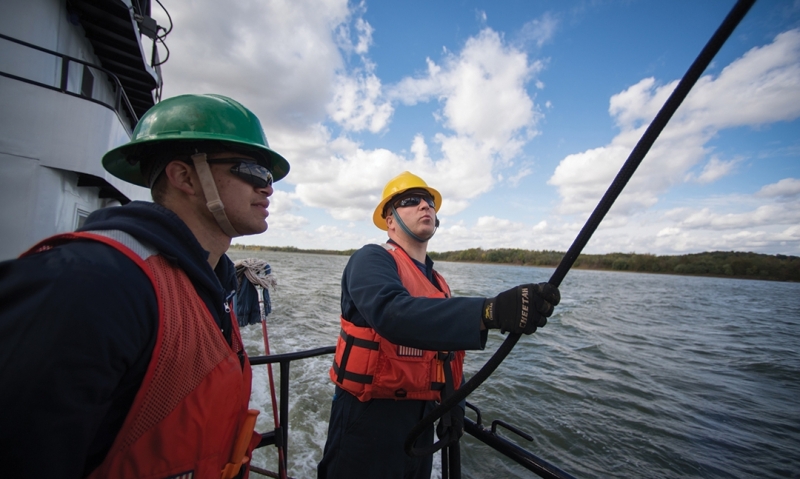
364, 36
539, 30
304, 68
334, 232
493, 232
281, 208
522, 173
488, 130
770, 214
756, 224
491, 223
278, 58
765, 83
784, 190
713, 170
357, 104
670, 231
282, 202
347, 186
303, 81
482, 90
286, 222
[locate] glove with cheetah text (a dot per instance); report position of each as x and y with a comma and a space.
521, 309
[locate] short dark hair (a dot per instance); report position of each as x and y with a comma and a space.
158, 189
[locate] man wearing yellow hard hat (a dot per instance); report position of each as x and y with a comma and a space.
402, 341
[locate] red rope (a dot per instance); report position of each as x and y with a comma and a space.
281, 458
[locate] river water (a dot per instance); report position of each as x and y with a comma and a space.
635, 375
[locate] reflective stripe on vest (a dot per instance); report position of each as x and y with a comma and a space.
370, 367
194, 397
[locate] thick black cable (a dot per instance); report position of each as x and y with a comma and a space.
702, 61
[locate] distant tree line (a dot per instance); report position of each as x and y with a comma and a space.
717, 263
292, 249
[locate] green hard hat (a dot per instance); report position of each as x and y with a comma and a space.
188, 121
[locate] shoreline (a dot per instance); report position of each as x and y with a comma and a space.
716, 264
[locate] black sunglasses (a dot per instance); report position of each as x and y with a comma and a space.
413, 200
253, 173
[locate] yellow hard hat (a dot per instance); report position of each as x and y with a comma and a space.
399, 184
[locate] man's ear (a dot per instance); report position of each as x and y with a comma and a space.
181, 176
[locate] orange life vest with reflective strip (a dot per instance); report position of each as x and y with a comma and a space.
193, 402
370, 367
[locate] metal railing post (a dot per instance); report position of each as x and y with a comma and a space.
64, 73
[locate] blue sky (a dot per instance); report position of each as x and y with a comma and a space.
519, 112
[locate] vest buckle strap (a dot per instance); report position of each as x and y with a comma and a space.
342, 374
361, 343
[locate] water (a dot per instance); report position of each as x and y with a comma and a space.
635, 375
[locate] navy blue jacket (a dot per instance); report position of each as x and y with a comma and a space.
78, 324
365, 439
372, 295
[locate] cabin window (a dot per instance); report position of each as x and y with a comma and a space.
80, 217
87, 84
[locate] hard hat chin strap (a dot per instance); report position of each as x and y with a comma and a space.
408, 231
214, 204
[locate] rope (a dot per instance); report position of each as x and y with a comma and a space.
281, 452
257, 272
702, 61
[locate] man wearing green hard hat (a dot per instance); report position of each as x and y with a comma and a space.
127, 324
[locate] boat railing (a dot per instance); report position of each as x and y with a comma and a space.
489, 436
121, 104
279, 437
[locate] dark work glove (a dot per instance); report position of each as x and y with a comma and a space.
521, 309
451, 425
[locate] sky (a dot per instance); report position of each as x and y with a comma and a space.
519, 112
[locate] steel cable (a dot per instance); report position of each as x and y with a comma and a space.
636, 156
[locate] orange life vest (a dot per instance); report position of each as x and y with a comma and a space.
192, 405
370, 367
